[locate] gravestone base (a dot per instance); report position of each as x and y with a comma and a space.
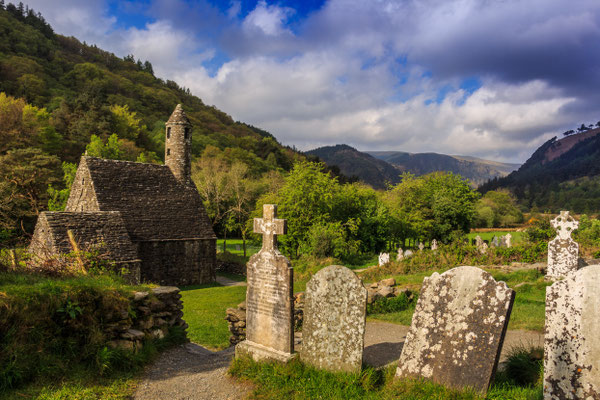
258, 352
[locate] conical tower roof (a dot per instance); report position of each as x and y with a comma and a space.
178, 116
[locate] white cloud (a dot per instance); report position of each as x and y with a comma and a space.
270, 19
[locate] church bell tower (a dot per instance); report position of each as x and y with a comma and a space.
178, 144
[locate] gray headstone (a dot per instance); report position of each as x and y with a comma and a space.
384, 258
335, 308
495, 242
508, 239
571, 343
457, 329
478, 241
421, 246
269, 297
408, 254
563, 252
400, 255
434, 245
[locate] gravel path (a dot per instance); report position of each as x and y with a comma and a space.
221, 280
190, 372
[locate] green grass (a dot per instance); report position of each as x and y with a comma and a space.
517, 236
231, 247
298, 381
204, 310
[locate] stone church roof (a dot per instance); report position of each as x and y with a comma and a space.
178, 116
153, 204
102, 230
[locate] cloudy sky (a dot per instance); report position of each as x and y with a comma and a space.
487, 78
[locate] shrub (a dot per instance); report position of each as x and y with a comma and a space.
524, 365
384, 305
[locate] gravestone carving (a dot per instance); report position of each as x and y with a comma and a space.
563, 251
457, 329
269, 297
571, 345
384, 258
335, 308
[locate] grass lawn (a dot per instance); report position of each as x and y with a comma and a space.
204, 310
516, 236
233, 244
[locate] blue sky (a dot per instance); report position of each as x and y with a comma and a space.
487, 78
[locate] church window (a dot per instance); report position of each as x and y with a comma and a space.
186, 133
168, 132
168, 152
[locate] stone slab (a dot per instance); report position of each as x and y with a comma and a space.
335, 309
258, 352
572, 343
457, 329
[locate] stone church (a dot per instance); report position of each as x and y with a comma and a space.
140, 214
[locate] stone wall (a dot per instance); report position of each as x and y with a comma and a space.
178, 262
152, 314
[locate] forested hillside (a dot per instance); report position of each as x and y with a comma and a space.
554, 179
59, 96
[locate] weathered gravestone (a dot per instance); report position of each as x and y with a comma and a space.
408, 254
457, 329
333, 330
400, 255
384, 258
572, 344
269, 297
563, 251
434, 245
421, 246
495, 242
483, 248
507, 240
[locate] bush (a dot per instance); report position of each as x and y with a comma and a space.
540, 231
525, 366
384, 305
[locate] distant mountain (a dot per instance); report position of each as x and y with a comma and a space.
560, 174
353, 163
378, 168
477, 170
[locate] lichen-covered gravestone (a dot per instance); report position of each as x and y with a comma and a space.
572, 344
563, 251
269, 296
384, 258
457, 329
495, 242
335, 308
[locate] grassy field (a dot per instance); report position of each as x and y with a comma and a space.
234, 244
516, 236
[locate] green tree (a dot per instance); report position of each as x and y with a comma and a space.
57, 200
497, 208
24, 178
111, 149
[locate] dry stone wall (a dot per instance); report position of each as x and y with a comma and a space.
152, 314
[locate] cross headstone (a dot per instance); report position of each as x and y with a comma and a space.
563, 251
400, 255
434, 245
269, 297
571, 345
335, 309
421, 246
508, 240
457, 329
384, 258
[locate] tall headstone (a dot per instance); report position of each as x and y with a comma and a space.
400, 255
457, 329
508, 240
478, 241
335, 309
434, 245
384, 258
421, 246
572, 345
269, 295
495, 242
563, 251
483, 248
